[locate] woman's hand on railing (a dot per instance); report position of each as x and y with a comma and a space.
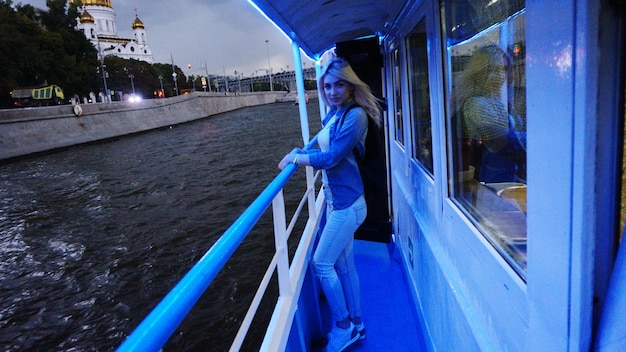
291, 158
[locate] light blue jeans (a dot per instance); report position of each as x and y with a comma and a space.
334, 258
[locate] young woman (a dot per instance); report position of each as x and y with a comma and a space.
344, 130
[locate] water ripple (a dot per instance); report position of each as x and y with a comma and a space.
93, 237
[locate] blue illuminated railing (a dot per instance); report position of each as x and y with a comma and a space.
154, 331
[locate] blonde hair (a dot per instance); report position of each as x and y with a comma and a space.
362, 94
475, 78
475, 98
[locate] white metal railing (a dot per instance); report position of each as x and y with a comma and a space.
154, 331
280, 262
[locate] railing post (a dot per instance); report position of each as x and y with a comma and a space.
310, 186
297, 69
280, 239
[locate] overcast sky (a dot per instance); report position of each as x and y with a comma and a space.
226, 35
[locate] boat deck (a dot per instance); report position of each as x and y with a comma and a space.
388, 312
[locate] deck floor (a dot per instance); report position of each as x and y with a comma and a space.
388, 312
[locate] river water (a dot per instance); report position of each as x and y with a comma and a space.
93, 237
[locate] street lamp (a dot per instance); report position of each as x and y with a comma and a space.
175, 83
239, 75
161, 82
132, 82
225, 79
193, 79
208, 77
102, 66
268, 65
174, 74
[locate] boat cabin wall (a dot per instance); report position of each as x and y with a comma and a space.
492, 108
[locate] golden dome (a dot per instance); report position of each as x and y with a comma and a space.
106, 3
137, 23
86, 17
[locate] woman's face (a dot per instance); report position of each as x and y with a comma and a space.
337, 91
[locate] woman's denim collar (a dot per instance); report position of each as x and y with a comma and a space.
341, 110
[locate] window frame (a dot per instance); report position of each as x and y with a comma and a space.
413, 100
510, 245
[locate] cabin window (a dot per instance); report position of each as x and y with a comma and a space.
422, 144
397, 97
485, 73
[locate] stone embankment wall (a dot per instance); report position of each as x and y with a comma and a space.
33, 130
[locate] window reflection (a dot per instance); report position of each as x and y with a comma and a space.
398, 122
492, 134
487, 106
420, 97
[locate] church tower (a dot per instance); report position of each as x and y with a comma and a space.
88, 24
139, 31
97, 22
104, 16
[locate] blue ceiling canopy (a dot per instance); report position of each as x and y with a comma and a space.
317, 25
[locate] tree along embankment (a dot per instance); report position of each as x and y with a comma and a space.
34, 130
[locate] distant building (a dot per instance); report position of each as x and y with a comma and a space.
97, 22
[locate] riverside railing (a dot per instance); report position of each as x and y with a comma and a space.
158, 326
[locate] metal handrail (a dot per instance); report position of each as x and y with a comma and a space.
158, 326
256, 301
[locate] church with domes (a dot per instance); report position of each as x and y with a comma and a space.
97, 22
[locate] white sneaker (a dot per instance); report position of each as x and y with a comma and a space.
361, 329
340, 339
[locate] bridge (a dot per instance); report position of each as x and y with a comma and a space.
254, 83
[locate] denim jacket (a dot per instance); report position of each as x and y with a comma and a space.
344, 179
